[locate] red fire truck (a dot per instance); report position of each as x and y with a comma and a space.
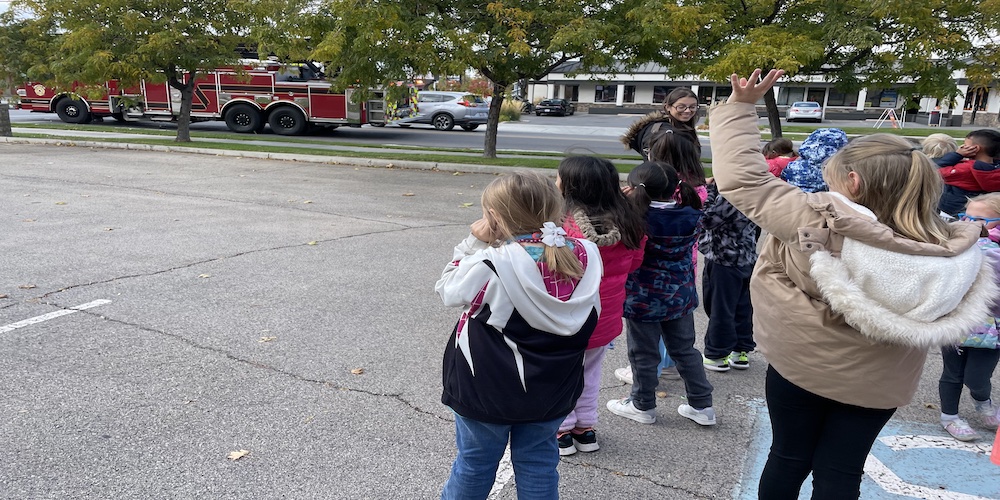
288, 98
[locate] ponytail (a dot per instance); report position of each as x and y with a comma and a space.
658, 181
686, 196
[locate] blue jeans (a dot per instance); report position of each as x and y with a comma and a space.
534, 454
678, 335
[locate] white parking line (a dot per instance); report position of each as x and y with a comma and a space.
52, 315
504, 473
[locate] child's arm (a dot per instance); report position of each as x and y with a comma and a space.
466, 275
987, 176
949, 159
741, 171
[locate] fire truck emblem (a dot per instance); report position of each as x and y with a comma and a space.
39, 89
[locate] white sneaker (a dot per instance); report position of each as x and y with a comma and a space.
624, 374
670, 373
705, 416
989, 414
625, 408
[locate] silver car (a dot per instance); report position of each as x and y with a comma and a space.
806, 110
444, 110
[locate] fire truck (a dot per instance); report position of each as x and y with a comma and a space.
288, 98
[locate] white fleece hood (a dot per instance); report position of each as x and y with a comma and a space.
902, 298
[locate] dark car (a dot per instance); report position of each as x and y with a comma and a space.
560, 107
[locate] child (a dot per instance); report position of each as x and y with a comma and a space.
972, 362
599, 212
513, 367
851, 290
729, 244
679, 115
779, 153
972, 170
938, 145
679, 152
661, 298
806, 171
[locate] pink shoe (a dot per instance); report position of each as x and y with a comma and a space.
959, 429
989, 415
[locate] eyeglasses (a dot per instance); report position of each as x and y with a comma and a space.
686, 108
984, 220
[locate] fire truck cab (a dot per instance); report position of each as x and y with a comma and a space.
290, 99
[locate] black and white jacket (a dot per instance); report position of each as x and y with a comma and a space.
729, 238
516, 353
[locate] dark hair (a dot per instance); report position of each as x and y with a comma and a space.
591, 184
658, 181
778, 147
679, 152
988, 139
676, 95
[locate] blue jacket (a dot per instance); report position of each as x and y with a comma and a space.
663, 287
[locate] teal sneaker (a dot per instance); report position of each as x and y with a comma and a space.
739, 360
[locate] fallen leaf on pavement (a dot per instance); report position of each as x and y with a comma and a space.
27, 287
267, 339
204, 275
312, 243
407, 194
661, 394
466, 205
456, 173
307, 201
29, 220
358, 371
236, 455
60, 203
4, 295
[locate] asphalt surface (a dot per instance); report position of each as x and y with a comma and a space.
285, 308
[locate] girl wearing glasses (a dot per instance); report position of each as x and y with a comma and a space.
972, 362
680, 115
852, 288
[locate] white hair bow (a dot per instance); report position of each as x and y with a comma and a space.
553, 235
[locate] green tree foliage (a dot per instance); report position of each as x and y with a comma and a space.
854, 43
375, 42
19, 39
169, 41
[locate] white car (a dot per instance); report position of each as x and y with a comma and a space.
806, 110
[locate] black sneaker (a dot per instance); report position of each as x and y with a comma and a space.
586, 441
565, 444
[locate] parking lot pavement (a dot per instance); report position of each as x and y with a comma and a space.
160, 311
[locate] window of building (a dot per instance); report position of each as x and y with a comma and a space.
660, 93
977, 98
816, 95
573, 93
788, 95
722, 93
629, 93
605, 93
838, 98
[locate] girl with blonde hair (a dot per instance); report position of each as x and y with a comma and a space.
852, 288
513, 368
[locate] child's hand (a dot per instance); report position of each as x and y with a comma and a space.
482, 230
968, 150
749, 90
627, 190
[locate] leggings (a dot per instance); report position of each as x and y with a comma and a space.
818, 435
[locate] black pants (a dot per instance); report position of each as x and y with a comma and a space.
818, 435
726, 293
971, 366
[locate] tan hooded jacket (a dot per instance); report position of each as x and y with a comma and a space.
844, 307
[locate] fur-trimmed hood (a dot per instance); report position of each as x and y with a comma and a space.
609, 236
632, 137
899, 291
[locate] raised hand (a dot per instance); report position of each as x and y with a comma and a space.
750, 90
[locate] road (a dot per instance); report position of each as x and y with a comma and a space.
287, 309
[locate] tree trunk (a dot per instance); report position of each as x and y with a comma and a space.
5, 121
490, 147
772, 114
187, 96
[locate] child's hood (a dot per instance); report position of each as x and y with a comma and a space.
822, 144
893, 289
523, 285
604, 234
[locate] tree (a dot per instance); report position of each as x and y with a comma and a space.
18, 38
376, 42
133, 40
854, 43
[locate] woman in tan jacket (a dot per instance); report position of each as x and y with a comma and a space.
852, 288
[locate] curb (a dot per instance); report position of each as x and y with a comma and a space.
307, 158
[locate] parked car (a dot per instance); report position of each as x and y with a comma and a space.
444, 110
560, 107
806, 110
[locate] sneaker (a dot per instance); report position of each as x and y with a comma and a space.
585, 440
959, 429
989, 414
625, 408
716, 365
739, 360
704, 416
565, 444
670, 373
624, 374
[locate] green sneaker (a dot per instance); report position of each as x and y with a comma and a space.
716, 365
739, 360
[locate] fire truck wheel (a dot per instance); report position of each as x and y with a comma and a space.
72, 111
443, 122
243, 118
470, 126
287, 121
